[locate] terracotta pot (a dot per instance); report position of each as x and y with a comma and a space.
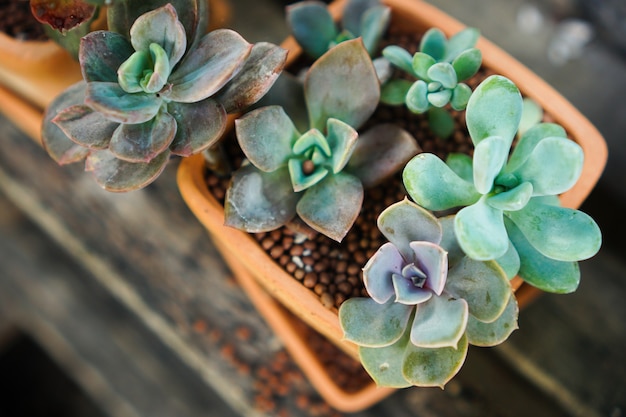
247, 258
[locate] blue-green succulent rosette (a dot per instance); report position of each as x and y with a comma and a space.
149, 92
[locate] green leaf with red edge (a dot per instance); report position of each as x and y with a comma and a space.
62, 15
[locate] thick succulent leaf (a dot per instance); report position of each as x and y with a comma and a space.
560, 233
85, 126
532, 114
480, 231
258, 201
101, 54
439, 322
394, 92
439, 98
62, 15
460, 96
256, 77
405, 222
427, 367
440, 122
162, 27
490, 156
116, 175
312, 26
467, 63
539, 271
301, 181
383, 68
146, 70
434, 43
449, 241
266, 136
529, 140
421, 64
510, 262
494, 109
512, 200
443, 73
118, 106
407, 293
461, 41
209, 66
200, 125
367, 323
417, 97
58, 145
553, 167
384, 364
312, 140
378, 272
342, 139
433, 185
343, 85
354, 12
142, 142
332, 205
492, 334
373, 27
433, 261
380, 152
462, 165
288, 92
484, 286
400, 58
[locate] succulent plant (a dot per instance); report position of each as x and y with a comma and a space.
317, 174
164, 89
510, 210
439, 66
428, 302
315, 30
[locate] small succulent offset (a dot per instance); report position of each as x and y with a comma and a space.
428, 302
440, 66
315, 30
317, 175
510, 210
157, 88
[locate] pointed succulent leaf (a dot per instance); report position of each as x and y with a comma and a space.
484, 285
118, 106
434, 43
467, 64
449, 241
494, 109
379, 270
529, 140
301, 181
101, 54
480, 231
490, 156
461, 41
426, 367
373, 27
380, 152
312, 139
116, 175
354, 12
443, 73
258, 201
385, 364
394, 92
407, 293
266, 136
460, 96
491, 334
433, 261
209, 66
553, 167
58, 145
312, 26
199, 125
400, 58
367, 323
405, 222
342, 139
462, 165
85, 126
342, 84
560, 233
417, 97
540, 271
257, 76
162, 27
439, 98
426, 176
288, 92
332, 205
439, 322
532, 114
512, 200
142, 142
509, 262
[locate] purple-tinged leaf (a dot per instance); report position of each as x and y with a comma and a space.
378, 272
101, 54
86, 127
119, 106
407, 293
200, 125
142, 142
433, 261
